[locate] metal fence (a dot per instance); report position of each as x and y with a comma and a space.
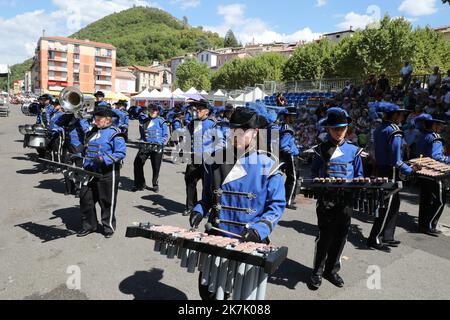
332, 84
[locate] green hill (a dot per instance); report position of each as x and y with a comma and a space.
141, 35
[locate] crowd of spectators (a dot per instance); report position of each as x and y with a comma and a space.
431, 96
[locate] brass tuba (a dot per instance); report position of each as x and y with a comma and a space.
71, 99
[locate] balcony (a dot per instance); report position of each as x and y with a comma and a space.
103, 64
57, 68
57, 49
57, 78
104, 82
58, 58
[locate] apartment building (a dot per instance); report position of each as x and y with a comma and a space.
60, 62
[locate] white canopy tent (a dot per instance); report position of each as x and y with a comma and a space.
192, 91
144, 95
178, 92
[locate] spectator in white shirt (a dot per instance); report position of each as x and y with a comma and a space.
406, 73
434, 80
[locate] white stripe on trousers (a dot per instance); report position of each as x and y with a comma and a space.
387, 213
112, 197
442, 204
295, 180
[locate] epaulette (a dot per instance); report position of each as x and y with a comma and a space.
117, 133
437, 138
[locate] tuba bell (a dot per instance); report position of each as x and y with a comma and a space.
71, 99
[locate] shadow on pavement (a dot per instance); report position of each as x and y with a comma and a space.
159, 213
146, 285
167, 204
70, 217
126, 184
45, 233
290, 273
56, 185
300, 227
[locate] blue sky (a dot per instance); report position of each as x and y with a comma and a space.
22, 21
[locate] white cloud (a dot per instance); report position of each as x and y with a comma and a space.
186, 4
418, 8
248, 30
321, 3
360, 21
70, 16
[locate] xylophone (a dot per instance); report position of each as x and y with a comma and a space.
363, 194
432, 169
228, 266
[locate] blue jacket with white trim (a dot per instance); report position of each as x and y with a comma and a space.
388, 146
431, 145
287, 140
107, 143
343, 161
153, 130
250, 191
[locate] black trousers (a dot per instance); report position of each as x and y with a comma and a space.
139, 162
194, 173
290, 170
433, 196
68, 150
334, 225
104, 192
383, 228
56, 147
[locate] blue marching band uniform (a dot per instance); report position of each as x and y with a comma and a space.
388, 140
433, 194
338, 159
251, 191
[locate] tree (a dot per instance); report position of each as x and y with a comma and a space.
230, 40
311, 61
240, 73
192, 73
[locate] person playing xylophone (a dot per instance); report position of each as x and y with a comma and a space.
244, 196
335, 157
432, 192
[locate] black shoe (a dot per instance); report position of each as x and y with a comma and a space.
84, 233
428, 232
315, 282
381, 247
392, 243
186, 213
291, 207
436, 231
335, 279
108, 235
136, 189
155, 189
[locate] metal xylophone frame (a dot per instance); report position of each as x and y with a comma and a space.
224, 270
351, 192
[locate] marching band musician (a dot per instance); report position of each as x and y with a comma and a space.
44, 116
122, 119
72, 130
432, 193
249, 191
388, 142
339, 158
289, 155
155, 134
199, 131
104, 152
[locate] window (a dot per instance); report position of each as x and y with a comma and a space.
51, 54
97, 51
109, 53
202, 58
97, 77
76, 57
76, 77
76, 48
51, 73
207, 57
97, 59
